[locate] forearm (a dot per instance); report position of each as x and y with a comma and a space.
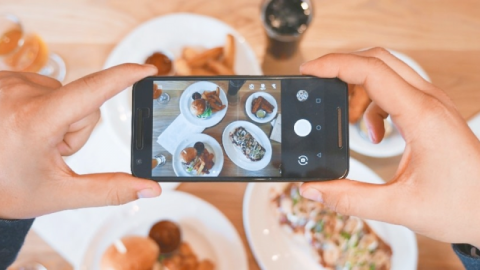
12, 236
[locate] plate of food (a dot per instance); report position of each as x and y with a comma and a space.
198, 155
286, 231
192, 43
187, 233
247, 145
261, 107
203, 104
393, 143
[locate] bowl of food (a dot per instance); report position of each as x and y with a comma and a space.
186, 233
203, 104
261, 107
198, 155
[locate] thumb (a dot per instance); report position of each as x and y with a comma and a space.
108, 189
349, 197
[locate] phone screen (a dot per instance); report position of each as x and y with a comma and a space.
227, 128
240, 128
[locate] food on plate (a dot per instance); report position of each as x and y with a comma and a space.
161, 61
162, 250
261, 107
141, 253
167, 235
342, 242
197, 159
357, 103
250, 147
207, 103
209, 62
186, 259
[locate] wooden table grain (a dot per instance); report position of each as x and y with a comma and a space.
443, 36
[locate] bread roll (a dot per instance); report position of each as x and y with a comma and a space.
141, 254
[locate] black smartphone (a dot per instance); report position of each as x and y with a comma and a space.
240, 128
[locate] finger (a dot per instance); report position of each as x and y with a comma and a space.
374, 117
82, 97
349, 197
406, 72
78, 134
106, 189
385, 87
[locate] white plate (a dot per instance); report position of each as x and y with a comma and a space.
393, 145
235, 154
210, 144
169, 34
186, 100
266, 96
274, 248
205, 228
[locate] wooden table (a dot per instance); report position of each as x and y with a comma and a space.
443, 36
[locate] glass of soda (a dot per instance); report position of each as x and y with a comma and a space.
285, 21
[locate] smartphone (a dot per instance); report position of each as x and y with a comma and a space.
240, 128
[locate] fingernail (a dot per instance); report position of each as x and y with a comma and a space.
146, 193
371, 136
312, 194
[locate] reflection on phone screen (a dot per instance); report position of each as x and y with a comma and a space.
229, 128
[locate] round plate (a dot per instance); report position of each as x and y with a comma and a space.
393, 145
159, 35
236, 155
266, 96
212, 146
205, 228
274, 248
186, 100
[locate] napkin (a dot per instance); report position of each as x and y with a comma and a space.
474, 124
176, 132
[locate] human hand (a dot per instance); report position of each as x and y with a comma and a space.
437, 184
41, 121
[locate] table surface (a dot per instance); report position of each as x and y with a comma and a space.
443, 36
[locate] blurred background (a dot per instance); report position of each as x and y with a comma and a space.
441, 36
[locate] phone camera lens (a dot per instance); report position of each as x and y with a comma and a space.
302, 95
139, 161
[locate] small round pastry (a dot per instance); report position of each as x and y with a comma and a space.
167, 235
141, 254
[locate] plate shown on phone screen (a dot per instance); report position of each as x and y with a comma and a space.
236, 154
186, 100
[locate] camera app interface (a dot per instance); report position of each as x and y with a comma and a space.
227, 128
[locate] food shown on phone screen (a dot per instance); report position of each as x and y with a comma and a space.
162, 249
249, 146
207, 103
197, 159
342, 242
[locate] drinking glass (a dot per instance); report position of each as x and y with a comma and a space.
285, 21
158, 160
160, 96
20, 51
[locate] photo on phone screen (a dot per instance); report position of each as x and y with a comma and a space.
215, 128
240, 128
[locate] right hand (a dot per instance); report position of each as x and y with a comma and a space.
436, 187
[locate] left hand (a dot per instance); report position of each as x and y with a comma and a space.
41, 121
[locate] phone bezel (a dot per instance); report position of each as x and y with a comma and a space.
142, 93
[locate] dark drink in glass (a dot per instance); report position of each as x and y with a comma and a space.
285, 21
